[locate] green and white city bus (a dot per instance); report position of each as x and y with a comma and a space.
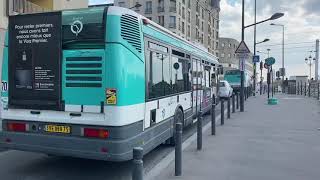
95, 83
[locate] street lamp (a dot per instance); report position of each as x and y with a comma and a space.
138, 5
309, 61
273, 17
282, 71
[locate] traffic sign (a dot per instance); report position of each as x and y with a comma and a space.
242, 48
256, 59
240, 56
270, 61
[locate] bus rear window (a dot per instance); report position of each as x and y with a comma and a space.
83, 28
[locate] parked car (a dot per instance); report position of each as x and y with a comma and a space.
225, 90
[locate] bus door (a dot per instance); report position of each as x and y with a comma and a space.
206, 86
196, 85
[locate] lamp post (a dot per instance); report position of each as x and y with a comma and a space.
268, 72
282, 71
309, 61
273, 17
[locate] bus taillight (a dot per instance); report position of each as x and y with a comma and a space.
17, 127
95, 133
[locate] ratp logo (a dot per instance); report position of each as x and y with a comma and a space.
76, 27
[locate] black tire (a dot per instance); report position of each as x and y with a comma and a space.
178, 118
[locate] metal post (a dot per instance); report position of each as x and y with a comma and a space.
199, 131
301, 88
297, 89
228, 109
233, 103
237, 100
305, 89
137, 173
213, 119
309, 89
317, 61
242, 72
178, 150
222, 111
318, 91
254, 48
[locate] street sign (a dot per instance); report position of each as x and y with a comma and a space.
242, 48
270, 61
240, 56
242, 65
256, 59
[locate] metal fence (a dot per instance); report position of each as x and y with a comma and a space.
310, 89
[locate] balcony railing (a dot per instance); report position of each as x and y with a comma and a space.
15, 7
148, 11
172, 25
160, 9
173, 9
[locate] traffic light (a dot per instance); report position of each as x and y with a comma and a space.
278, 74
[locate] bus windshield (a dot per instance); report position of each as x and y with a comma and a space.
233, 72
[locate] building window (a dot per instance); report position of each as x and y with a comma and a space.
189, 4
197, 20
188, 31
179, 8
222, 44
183, 13
229, 55
161, 20
121, 4
173, 6
179, 24
229, 45
182, 27
148, 7
172, 23
202, 26
222, 55
161, 6
189, 17
217, 45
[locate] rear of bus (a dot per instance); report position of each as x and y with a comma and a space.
75, 84
234, 79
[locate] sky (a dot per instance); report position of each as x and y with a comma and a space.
302, 28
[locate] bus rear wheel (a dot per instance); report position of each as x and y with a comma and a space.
178, 118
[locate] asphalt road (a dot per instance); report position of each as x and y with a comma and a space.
17, 165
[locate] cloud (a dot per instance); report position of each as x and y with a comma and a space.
301, 22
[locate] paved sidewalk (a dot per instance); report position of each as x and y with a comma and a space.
265, 142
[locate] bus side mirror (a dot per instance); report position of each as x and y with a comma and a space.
220, 70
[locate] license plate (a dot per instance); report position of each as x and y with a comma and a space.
58, 129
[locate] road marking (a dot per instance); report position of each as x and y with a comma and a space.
165, 162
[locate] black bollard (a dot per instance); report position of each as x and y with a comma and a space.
199, 131
228, 108
137, 173
297, 89
178, 150
233, 103
237, 100
213, 118
222, 111
301, 88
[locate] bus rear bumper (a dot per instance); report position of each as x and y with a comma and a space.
66, 146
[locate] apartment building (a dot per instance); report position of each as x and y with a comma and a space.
227, 56
195, 20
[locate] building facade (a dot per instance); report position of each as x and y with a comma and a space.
13, 7
195, 20
227, 56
